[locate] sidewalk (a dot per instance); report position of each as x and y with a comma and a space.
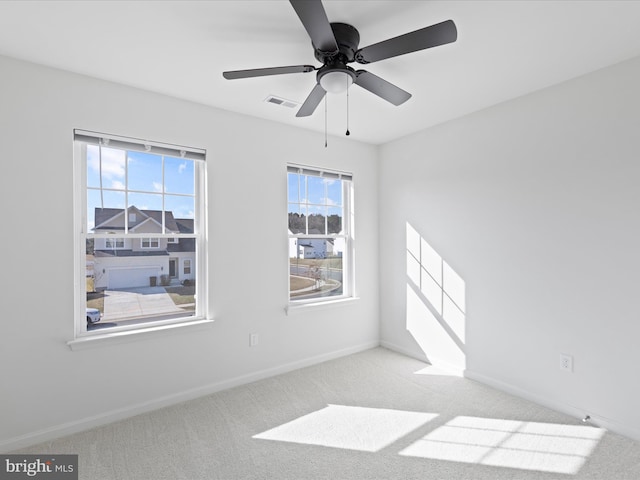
137, 302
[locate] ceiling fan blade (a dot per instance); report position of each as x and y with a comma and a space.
263, 72
381, 88
315, 21
312, 101
433, 36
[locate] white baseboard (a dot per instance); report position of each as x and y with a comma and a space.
436, 362
87, 423
572, 410
409, 353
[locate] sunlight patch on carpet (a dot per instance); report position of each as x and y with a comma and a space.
348, 427
544, 447
438, 371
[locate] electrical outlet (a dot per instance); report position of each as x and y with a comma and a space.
253, 339
566, 362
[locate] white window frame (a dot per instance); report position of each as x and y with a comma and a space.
82, 336
186, 263
117, 240
150, 241
348, 263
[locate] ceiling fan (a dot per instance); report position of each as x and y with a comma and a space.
336, 45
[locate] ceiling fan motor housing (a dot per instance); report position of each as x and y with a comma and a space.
347, 38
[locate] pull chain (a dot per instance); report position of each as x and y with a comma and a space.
348, 132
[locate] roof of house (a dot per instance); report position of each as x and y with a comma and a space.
130, 253
104, 215
185, 225
174, 225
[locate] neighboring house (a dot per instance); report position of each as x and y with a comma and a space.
121, 262
312, 248
315, 248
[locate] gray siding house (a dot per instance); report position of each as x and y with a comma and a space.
121, 262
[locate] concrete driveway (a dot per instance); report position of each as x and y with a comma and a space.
137, 302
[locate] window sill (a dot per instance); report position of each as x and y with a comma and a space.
114, 338
295, 308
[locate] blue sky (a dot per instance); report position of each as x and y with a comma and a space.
315, 191
139, 174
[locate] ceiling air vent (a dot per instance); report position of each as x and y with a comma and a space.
281, 101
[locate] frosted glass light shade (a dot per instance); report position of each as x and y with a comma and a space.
336, 82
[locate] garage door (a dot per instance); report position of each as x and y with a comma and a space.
130, 277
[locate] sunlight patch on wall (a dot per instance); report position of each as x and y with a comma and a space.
347, 427
436, 302
435, 340
535, 446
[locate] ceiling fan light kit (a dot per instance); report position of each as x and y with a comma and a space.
336, 45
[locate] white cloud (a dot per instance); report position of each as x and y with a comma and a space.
117, 184
183, 213
182, 167
157, 186
113, 162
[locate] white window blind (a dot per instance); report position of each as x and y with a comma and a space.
304, 170
95, 138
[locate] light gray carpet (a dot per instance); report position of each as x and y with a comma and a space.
365, 416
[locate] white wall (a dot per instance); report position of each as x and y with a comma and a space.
47, 389
535, 204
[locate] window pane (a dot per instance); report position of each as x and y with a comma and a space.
93, 166
123, 289
180, 207
315, 190
297, 219
334, 192
317, 220
334, 220
112, 164
145, 201
179, 175
293, 180
150, 243
315, 268
102, 208
145, 172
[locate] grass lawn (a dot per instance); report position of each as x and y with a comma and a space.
95, 300
298, 283
333, 262
183, 295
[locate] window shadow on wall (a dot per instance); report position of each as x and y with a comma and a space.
436, 304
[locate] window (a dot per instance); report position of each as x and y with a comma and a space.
320, 234
187, 267
151, 243
114, 243
134, 201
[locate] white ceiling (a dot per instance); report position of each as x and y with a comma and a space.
505, 49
